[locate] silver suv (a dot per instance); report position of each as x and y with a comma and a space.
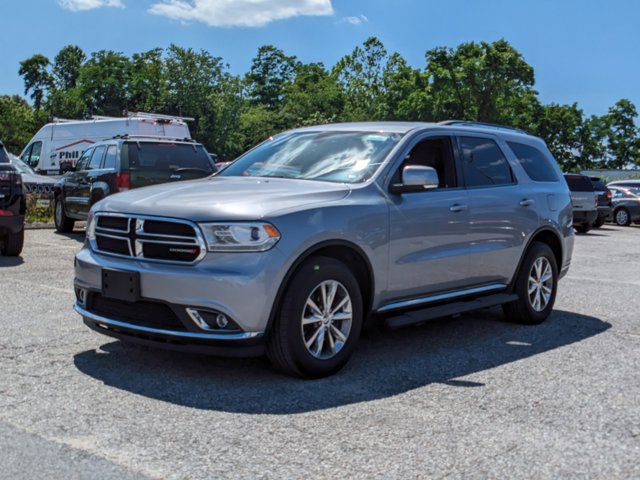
292, 247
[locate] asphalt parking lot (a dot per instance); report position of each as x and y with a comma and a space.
471, 397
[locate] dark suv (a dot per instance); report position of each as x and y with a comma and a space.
123, 163
604, 201
12, 209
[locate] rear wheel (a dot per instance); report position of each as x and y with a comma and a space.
319, 321
622, 217
63, 223
599, 222
13, 243
535, 286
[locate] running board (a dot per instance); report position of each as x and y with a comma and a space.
424, 314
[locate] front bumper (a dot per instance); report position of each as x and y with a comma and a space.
243, 344
243, 287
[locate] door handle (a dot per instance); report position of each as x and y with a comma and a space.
457, 207
527, 202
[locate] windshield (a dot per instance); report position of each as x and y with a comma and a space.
345, 157
20, 165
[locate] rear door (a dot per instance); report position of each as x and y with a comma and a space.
502, 213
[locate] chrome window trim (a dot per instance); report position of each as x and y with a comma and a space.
195, 335
135, 250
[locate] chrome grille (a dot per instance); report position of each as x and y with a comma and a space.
159, 239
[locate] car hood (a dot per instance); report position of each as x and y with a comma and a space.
223, 198
37, 179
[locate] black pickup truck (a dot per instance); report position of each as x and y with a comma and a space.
12, 207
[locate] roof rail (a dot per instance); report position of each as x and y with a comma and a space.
481, 124
126, 136
159, 116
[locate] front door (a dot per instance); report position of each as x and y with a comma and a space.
429, 229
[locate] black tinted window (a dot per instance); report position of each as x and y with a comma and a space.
83, 163
483, 163
598, 184
534, 162
579, 183
4, 157
166, 157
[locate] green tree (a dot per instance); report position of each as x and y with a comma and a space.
623, 142
485, 82
66, 67
270, 70
104, 82
360, 75
37, 79
148, 88
17, 123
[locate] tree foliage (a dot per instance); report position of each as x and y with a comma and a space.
477, 81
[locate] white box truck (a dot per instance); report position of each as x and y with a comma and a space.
58, 145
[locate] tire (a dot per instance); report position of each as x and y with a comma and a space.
538, 262
63, 223
622, 217
599, 222
13, 244
583, 228
288, 339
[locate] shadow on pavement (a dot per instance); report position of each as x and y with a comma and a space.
385, 364
77, 235
10, 261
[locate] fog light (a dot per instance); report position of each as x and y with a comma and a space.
221, 320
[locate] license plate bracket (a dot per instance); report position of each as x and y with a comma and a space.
121, 285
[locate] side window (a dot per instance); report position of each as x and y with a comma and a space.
83, 163
534, 162
96, 158
110, 158
483, 163
25, 156
436, 153
33, 154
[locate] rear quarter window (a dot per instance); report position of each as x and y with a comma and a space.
534, 162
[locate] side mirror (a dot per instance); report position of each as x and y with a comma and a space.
66, 167
417, 178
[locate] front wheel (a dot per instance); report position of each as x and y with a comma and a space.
583, 228
536, 286
318, 324
63, 223
622, 217
13, 244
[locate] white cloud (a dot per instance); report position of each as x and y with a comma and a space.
78, 5
239, 13
356, 20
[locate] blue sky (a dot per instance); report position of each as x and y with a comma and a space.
583, 51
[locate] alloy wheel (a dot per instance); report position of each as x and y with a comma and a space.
326, 319
540, 285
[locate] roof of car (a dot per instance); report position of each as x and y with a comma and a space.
405, 127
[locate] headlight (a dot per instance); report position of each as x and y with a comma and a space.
240, 237
91, 227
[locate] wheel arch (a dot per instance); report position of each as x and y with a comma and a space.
544, 235
347, 252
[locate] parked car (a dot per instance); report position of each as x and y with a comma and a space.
295, 244
631, 185
57, 146
604, 201
584, 201
12, 210
123, 163
626, 206
31, 181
